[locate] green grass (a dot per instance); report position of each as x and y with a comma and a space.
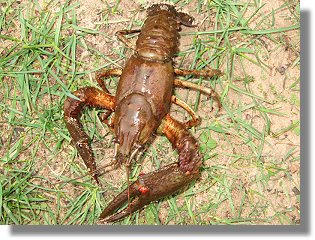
43, 181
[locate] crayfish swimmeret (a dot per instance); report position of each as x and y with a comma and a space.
141, 107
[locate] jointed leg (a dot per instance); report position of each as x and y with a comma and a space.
186, 145
208, 91
104, 74
195, 121
99, 79
121, 36
90, 97
198, 73
104, 118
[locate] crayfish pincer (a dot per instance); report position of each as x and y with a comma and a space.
141, 108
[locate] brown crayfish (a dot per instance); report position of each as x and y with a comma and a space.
141, 107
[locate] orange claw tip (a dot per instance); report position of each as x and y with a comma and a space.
143, 190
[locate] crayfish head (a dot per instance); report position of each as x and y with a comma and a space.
134, 124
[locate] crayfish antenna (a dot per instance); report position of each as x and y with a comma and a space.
116, 150
128, 165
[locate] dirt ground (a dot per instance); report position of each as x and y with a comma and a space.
254, 196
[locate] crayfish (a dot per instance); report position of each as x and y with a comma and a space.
141, 108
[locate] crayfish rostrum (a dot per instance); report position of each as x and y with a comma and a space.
140, 108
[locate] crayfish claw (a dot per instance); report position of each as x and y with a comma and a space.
135, 205
148, 188
118, 202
